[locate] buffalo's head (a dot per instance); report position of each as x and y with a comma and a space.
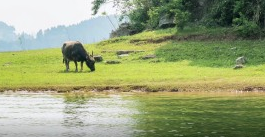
90, 62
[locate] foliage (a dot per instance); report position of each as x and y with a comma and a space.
246, 28
181, 18
96, 5
176, 9
123, 5
246, 16
145, 14
138, 19
221, 13
153, 14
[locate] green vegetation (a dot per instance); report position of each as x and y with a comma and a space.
214, 53
192, 65
246, 17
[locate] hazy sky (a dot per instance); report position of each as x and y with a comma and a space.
32, 15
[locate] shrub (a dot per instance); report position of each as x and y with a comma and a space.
246, 28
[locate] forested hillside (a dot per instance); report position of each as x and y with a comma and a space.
246, 17
88, 31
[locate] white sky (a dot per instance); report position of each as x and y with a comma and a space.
32, 15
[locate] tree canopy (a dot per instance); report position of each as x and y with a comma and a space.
246, 16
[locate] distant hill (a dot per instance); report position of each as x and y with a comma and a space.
88, 31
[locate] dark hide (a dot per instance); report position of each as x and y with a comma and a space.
74, 51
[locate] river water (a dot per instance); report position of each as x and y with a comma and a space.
24, 114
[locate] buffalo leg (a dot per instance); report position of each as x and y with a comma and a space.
66, 61
82, 65
76, 70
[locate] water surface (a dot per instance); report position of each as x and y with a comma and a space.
131, 114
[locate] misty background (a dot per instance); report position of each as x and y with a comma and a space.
87, 32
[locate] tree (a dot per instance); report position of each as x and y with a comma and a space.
122, 5
145, 14
245, 16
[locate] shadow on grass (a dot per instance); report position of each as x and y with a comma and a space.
73, 71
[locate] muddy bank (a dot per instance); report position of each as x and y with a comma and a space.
142, 88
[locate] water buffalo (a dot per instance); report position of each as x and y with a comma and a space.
74, 51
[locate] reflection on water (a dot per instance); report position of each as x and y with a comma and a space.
29, 115
131, 115
73, 115
92, 115
75, 110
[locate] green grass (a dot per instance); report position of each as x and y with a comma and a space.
214, 53
190, 65
199, 30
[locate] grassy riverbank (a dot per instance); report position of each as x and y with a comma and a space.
186, 61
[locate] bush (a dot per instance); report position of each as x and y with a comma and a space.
181, 19
246, 28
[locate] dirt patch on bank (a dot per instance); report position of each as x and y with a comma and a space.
253, 89
140, 88
191, 37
